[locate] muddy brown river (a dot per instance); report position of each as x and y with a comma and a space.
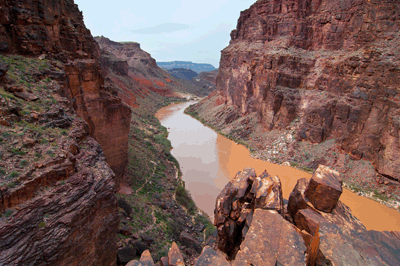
208, 161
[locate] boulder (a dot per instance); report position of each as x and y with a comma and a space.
125, 206
3, 70
164, 261
174, 256
271, 240
267, 191
126, 254
211, 257
27, 96
188, 241
308, 220
236, 203
146, 259
134, 263
324, 189
4, 122
297, 200
140, 247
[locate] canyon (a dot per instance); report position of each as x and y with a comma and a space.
87, 176
73, 119
311, 82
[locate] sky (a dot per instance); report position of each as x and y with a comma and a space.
173, 30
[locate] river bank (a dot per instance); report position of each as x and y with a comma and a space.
154, 206
231, 157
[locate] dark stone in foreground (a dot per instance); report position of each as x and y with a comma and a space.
188, 241
125, 255
324, 189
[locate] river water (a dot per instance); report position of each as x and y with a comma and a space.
208, 161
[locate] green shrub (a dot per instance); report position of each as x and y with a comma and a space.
8, 212
11, 185
14, 174
184, 199
2, 172
18, 152
23, 163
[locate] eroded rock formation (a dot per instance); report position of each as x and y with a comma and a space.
62, 210
68, 217
56, 29
342, 237
108, 118
50, 27
329, 68
294, 234
144, 69
236, 203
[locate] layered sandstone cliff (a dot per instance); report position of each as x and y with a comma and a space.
319, 71
57, 184
145, 73
330, 62
56, 29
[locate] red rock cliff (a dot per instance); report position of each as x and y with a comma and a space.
55, 28
71, 222
331, 63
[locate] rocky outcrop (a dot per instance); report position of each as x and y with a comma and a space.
62, 209
304, 236
110, 61
210, 76
145, 73
329, 68
130, 52
343, 240
143, 68
271, 240
108, 118
72, 222
236, 203
54, 28
210, 256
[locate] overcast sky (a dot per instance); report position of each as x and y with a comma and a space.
171, 30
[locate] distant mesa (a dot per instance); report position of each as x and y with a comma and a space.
186, 64
183, 73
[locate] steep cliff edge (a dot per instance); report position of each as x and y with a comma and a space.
57, 201
57, 183
56, 29
321, 71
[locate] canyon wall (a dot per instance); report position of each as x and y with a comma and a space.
56, 29
145, 73
61, 209
143, 68
329, 64
69, 216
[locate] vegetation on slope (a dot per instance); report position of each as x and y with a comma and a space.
161, 206
33, 120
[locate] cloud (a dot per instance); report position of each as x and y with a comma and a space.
162, 28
